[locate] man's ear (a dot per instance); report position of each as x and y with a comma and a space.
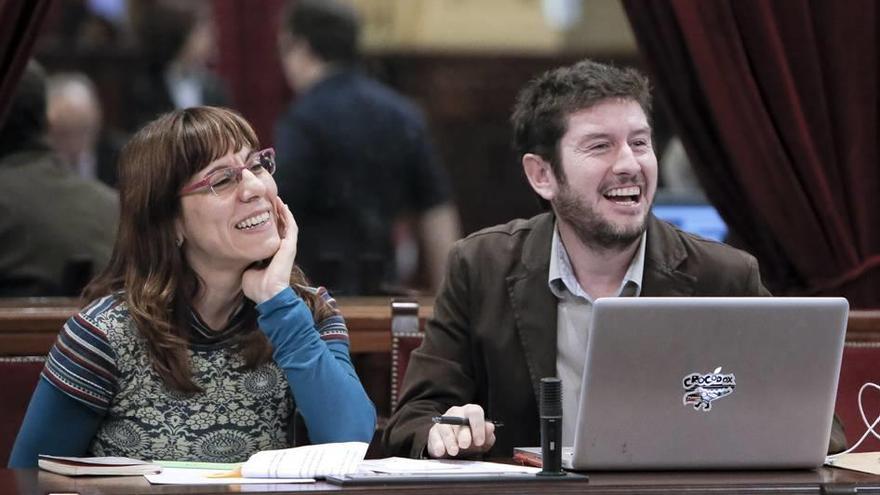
540, 175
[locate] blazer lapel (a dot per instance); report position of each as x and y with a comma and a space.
664, 254
533, 305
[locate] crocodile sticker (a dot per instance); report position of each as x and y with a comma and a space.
702, 389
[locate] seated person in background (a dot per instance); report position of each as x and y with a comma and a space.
354, 157
179, 48
202, 335
677, 174
76, 129
56, 228
516, 302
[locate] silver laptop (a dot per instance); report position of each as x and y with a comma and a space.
709, 383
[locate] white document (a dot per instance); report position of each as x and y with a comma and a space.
295, 465
310, 461
401, 465
865, 462
186, 476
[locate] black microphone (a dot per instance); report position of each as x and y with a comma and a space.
551, 427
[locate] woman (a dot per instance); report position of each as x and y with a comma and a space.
202, 333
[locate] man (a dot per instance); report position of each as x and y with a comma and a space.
516, 302
76, 130
56, 228
353, 158
179, 46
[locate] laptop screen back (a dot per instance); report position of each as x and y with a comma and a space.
703, 383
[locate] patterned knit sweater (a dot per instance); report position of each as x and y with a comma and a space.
101, 360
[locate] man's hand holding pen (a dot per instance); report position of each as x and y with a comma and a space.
469, 434
460, 421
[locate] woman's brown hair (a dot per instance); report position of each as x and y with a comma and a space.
147, 268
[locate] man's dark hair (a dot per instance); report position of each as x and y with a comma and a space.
542, 108
330, 28
25, 123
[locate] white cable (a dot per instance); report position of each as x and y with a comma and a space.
870, 430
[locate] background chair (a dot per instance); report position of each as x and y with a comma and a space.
861, 364
406, 335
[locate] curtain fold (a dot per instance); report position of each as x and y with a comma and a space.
249, 61
777, 105
20, 23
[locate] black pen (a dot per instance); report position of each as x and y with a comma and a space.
460, 421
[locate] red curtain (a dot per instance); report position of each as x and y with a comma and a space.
777, 104
249, 60
20, 22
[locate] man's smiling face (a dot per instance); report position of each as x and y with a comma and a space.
609, 174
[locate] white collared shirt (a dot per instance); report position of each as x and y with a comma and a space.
573, 312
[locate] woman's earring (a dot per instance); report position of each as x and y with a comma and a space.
179, 241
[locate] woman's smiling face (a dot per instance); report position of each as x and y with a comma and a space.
237, 225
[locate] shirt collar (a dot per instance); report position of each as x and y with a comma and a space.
201, 333
564, 284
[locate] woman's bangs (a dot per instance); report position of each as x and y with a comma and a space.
211, 133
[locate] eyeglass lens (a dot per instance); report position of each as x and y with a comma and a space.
258, 164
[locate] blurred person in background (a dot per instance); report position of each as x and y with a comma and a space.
56, 228
178, 41
354, 158
677, 174
76, 130
77, 26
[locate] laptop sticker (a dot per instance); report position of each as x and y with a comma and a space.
702, 389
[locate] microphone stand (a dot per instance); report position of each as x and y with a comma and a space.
551, 427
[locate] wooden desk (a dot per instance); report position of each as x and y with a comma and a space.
821, 481
863, 327
29, 326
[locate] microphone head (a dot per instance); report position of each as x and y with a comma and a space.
551, 397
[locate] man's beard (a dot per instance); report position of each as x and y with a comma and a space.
592, 229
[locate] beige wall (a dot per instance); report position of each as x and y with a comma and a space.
517, 26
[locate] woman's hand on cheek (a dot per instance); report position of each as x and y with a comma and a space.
261, 283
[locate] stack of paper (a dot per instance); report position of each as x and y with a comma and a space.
296, 465
310, 461
401, 465
334, 460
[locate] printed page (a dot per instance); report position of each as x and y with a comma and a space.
310, 461
184, 476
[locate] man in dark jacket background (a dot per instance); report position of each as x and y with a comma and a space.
354, 157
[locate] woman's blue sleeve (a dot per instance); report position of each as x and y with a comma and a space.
55, 424
323, 381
